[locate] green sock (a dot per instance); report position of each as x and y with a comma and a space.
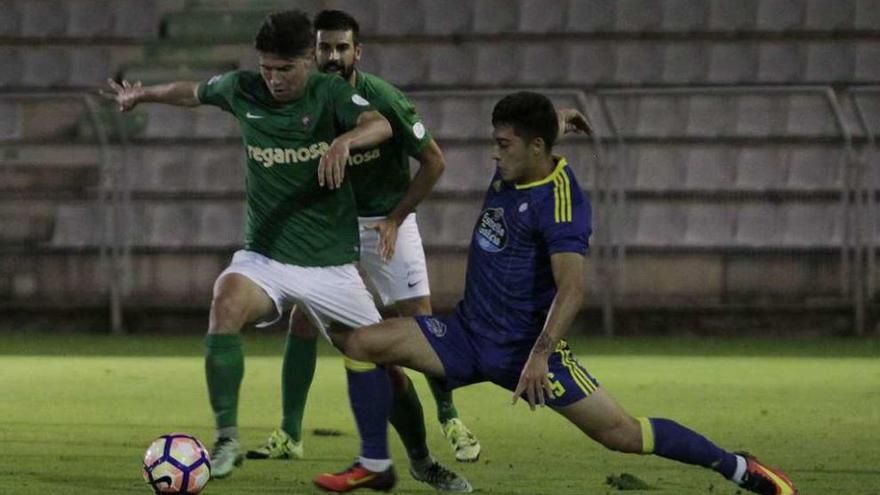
224, 369
443, 397
296, 378
408, 419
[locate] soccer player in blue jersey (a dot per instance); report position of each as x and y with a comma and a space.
524, 286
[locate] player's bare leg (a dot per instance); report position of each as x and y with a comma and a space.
237, 301
605, 421
394, 341
464, 443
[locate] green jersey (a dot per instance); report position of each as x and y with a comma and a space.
380, 176
289, 217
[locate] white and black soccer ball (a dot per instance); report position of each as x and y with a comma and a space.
177, 463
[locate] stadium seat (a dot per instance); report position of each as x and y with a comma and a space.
867, 61
814, 167
42, 18
867, 15
655, 168
451, 64
188, 168
25, 222
780, 15
469, 168
590, 16
635, 16
535, 17
50, 120
10, 124
657, 223
830, 62
732, 63
591, 63
9, 21
77, 225
760, 116
685, 62
90, 19
449, 221
757, 225
495, 16
89, 67
169, 122
656, 116
830, 15
780, 62
810, 116
708, 225
727, 16
404, 64
758, 169
708, 168
541, 64
144, 25
446, 17
638, 63
401, 17
497, 64
807, 225
45, 67
685, 16
220, 224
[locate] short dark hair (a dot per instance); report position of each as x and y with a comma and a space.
288, 34
337, 20
531, 115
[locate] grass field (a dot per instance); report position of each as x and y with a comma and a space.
77, 412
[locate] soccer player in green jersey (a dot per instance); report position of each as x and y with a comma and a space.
301, 232
392, 256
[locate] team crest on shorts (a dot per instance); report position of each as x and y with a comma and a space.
437, 327
492, 230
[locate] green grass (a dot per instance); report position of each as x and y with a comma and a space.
76, 413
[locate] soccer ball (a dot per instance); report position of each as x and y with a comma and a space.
177, 463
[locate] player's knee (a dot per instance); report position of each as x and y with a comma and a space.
228, 313
624, 436
361, 346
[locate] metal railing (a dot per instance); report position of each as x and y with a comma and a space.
852, 194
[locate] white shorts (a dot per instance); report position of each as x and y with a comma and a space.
325, 294
405, 276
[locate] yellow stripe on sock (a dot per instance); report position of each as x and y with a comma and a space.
647, 435
358, 366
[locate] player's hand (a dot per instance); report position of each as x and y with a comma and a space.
126, 95
572, 121
331, 168
534, 382
387, 229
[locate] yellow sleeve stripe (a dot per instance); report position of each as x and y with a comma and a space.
647, 435
562, 198
358, 366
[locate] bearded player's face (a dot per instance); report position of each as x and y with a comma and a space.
336, 52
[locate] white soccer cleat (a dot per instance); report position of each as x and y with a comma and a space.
464, 443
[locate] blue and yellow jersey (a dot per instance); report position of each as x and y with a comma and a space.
509, 285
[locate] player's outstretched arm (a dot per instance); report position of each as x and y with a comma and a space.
371, 129
431, 166
128, 95
568, 272
572, 121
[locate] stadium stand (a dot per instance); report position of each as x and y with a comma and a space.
735, 178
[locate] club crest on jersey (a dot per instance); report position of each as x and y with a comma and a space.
306, 120
435, 326
492, 230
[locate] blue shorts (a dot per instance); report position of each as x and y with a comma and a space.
470, 358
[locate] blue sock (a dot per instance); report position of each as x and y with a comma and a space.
671, 440
369, 391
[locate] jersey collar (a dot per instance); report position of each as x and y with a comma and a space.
560, 165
